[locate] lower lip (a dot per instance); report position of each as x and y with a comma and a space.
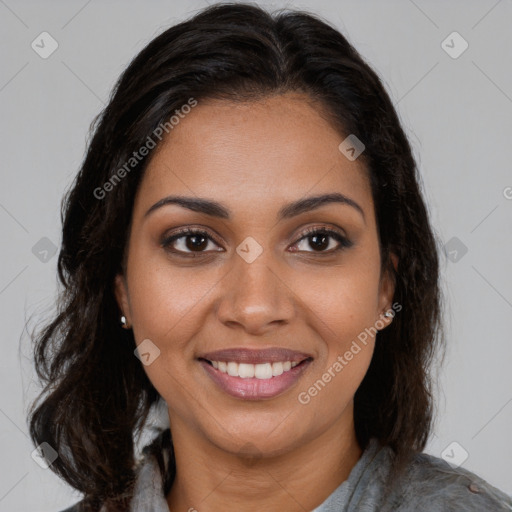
253, 388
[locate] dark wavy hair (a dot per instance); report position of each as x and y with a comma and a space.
97, 397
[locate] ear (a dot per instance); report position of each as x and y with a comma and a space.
387, 286
122, 297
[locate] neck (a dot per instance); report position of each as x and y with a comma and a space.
210, 479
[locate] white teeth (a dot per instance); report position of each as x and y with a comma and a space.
233, 369
263, 371
247, 371
277, 369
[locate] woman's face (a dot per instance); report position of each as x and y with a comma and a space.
287, 308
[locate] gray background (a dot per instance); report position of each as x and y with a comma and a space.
457, 113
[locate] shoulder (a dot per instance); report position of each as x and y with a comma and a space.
432, 484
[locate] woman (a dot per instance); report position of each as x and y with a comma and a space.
246, 243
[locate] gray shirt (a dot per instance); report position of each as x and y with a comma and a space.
428, 484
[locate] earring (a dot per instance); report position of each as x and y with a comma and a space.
388, 314
124, 322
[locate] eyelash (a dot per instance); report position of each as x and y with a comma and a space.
344, 243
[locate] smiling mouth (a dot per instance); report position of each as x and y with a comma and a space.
263, 371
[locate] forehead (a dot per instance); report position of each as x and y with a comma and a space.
253, 153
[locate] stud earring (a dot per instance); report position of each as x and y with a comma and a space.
124, 322
388, 314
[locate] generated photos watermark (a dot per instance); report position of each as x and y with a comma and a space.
144, 150
305, 397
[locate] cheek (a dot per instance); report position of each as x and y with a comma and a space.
343, 312
167, 308
166, 299
342, 305
343, 301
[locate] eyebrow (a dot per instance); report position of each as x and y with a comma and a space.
288, 211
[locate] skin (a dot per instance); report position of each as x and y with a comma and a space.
274, 454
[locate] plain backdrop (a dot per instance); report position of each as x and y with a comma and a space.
455, 105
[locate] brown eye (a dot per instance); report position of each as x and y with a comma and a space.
188, 241
320, 239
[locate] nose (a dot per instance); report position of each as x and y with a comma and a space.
255, 297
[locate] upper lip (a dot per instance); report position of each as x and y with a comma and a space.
256, 356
